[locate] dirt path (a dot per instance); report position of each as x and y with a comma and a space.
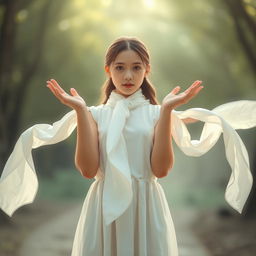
55, 237
226, 234
188, 243
27, 220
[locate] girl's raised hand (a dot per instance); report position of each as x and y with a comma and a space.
74, 100
173, 100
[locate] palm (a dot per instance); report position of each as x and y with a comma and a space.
74, 100
174, 100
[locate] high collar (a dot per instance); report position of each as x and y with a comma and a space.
132, 101
130, 97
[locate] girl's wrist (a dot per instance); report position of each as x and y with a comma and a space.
167, 107
80, 108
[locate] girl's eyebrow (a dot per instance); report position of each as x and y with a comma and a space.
124, 63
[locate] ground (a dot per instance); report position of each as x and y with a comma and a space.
226, 234
221, 236
25, 220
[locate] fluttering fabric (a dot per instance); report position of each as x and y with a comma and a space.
222, 119
19, 184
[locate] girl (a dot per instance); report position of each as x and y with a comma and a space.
125, 143
146, 226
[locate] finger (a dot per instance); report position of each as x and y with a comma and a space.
195, 90
74, 92
50, 86
56, 91
197, 82
194, 85
57, 85
56, 94
175, 90
194, 93
198, 89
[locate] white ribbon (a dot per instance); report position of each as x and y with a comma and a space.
18, 182
238, 114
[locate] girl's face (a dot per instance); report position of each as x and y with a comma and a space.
127, 72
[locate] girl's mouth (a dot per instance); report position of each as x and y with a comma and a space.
128, 85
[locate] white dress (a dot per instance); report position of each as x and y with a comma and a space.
125, 212
146, 227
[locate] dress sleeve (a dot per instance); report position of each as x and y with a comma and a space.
18, 182
155, 112
95, 111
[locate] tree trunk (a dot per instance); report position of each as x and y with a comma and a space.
251, 203
12, 95
245, 29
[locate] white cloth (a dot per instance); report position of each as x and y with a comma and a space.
126, 129
224, 118
118, 172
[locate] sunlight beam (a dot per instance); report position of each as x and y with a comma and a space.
150, 4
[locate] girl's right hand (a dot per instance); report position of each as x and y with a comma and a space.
74, 100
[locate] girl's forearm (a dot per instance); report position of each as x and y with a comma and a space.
162, 157
87, 151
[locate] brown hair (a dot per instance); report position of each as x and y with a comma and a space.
122, 44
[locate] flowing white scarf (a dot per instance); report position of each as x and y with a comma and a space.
19, 184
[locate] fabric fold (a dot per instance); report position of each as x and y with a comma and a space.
240, 182
117, 183
117, 189
18, 183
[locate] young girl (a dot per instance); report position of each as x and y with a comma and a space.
125, 143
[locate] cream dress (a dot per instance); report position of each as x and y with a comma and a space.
146, 228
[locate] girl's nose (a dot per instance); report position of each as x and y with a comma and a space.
128, 74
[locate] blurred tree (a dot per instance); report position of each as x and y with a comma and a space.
243, 13
250, 208
13, 91
31, 33
199, 43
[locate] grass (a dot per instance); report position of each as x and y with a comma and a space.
65, 184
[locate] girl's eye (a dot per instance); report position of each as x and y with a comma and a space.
137, 67
119, 67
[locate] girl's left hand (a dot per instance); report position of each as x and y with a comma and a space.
172, 100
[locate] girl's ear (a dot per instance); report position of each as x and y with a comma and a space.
107, 70
148, 67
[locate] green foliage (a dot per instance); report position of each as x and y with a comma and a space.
186, 42
65, 185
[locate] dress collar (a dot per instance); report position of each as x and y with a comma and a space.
134, 100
